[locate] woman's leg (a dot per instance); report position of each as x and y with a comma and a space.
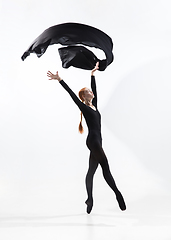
100, 156
93, 164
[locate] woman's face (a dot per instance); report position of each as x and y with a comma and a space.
88, 94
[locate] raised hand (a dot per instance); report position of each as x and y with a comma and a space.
95, 68
53, 76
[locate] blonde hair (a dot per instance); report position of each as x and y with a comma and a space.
81, 93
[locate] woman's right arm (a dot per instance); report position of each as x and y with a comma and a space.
66, 87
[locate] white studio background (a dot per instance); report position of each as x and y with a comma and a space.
43, 158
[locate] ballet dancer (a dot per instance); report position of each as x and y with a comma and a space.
89, 109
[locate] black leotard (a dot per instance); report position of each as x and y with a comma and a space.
94, 143
92, 117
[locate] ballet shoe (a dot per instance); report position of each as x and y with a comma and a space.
121, 201
89, 206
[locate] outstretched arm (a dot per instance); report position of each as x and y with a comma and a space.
66, 87
93, 84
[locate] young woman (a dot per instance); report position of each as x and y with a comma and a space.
88, 107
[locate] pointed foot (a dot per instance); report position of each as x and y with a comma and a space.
121, 201
89, 206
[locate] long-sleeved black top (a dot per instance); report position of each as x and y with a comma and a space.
92, 117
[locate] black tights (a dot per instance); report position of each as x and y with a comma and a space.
97, 156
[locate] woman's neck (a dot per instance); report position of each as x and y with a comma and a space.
88, 103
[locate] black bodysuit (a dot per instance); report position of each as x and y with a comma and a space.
94, 143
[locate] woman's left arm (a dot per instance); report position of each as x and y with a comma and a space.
93, 84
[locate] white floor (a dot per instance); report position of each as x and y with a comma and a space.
103, 223
47, 211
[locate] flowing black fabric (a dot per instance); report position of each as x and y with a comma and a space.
78, 56
71, 34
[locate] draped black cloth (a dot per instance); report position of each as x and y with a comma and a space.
73, 35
